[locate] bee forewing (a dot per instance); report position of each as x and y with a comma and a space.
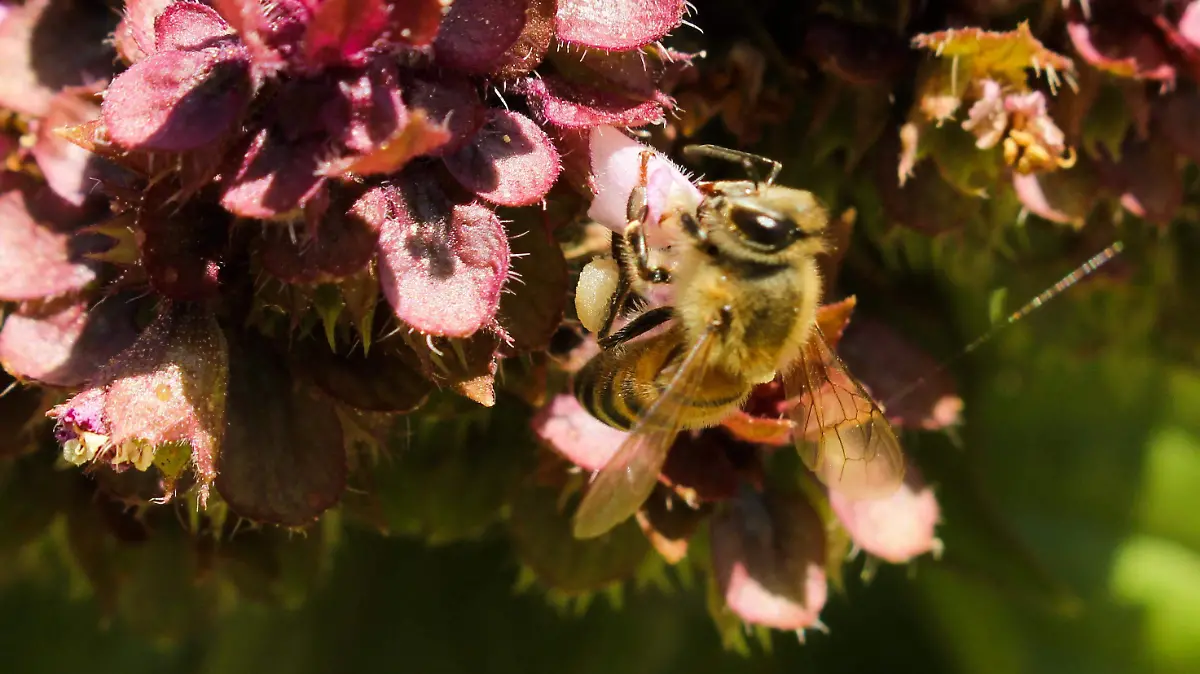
627, 480
855, 450
860, 459
624, 483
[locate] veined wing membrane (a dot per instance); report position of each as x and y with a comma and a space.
855, 451
626, 481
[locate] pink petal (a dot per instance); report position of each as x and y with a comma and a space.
573, 432
565, 104
277, 176
66, 348
190, 26
70, 170
617, 24
768, 555
896, 528
48, 45
510, 162
175, 101
616, 162
170, 386
1189, 23
442, 265
36, 259
341, 30
1065, 197
475, 35
1126, 47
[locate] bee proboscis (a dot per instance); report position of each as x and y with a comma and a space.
745, 293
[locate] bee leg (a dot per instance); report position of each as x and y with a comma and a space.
624, 286
746, 159
637, 210
635, 235
640, 325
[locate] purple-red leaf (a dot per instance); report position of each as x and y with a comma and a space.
277, 176
372, 106
475, 35
768, 554
887, 363
343, 244
190, 26
37, 259
448, 101
340, 30
283, 460
531, 46
416, 22
617, 24
135, 35
509, 162
417, 137
441, 264
380, 381
538, 284
175, 101
68, 347
182, 250
573, 106
468, 366
1147, 178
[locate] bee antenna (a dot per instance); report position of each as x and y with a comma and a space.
1092, 264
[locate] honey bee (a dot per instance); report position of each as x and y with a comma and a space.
745, 288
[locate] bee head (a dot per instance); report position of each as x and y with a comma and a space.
768, 218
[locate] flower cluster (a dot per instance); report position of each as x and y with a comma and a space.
279, 239
345, 150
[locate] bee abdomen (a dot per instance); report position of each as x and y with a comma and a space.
606, 389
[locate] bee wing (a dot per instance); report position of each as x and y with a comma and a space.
856, 451
626, 481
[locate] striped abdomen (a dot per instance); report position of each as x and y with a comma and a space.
618, 386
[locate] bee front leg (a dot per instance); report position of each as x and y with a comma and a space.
637, 210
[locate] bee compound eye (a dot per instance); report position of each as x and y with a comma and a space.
764, 228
